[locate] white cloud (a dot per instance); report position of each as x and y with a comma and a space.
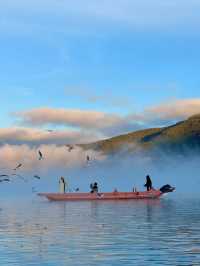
37, 137
92, 125
69, 117
111, 123
136, 14
172, 110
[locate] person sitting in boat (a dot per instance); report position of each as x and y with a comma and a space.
134, 189
94, 188
62, 184
148, 184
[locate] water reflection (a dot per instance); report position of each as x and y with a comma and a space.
152, 232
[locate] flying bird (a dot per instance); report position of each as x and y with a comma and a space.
36, 176
18, 166
70, 147
40, 155
4, 175
5, 180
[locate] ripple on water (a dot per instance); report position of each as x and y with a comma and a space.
159, 232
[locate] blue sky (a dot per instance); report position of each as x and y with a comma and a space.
113, 57
78, 71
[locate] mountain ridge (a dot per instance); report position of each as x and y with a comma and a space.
176, 137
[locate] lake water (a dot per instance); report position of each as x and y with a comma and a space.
153, 232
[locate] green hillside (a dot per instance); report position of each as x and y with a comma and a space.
185, 134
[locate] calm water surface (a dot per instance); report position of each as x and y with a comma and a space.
155, 232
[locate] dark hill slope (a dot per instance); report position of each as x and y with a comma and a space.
178, 137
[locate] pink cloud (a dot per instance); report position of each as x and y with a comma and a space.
36, 136
69, 117
100, 124
174, 110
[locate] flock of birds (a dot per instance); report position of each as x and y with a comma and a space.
14, 173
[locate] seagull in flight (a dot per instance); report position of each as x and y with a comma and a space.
88, 158
4, 175
70, 147
36, 176
17, 167
40, 155
5, 180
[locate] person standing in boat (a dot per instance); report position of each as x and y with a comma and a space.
94, 188
62, 185
148, 184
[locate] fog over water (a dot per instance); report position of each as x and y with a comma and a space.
122, 170
34, 231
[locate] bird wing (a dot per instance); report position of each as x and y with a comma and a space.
40, 154
18, 166
36, 176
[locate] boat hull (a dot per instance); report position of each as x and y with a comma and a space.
153, 194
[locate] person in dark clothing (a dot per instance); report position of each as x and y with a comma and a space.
94, 187
148, 184
91, 186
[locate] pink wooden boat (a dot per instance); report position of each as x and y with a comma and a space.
77, 196
153, 194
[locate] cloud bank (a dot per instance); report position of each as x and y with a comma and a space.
70, 117
31, 136
136, 14
102, 123
74, 126
172, 111
167, 112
